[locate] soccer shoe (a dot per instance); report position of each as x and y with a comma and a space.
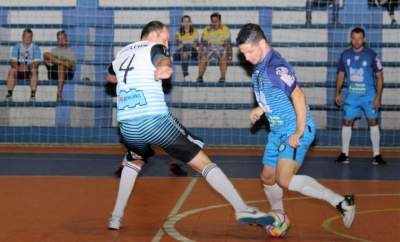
8, 98
342, 158
347, 208
253, 215
114, 222
187, 79
378, 161
200, 79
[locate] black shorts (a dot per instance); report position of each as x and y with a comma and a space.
52, 73
24, 75
164, 131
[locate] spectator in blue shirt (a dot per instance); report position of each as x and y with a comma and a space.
25, 60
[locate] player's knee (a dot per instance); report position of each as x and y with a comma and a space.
200, 161
348, 122
139, 163
283, 181
267, 179
372, 122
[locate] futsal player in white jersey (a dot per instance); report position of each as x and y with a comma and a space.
145, 120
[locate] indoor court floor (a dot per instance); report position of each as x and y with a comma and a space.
61, 195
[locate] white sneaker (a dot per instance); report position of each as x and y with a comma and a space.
114, 222
187, 79
347, 208
253, 215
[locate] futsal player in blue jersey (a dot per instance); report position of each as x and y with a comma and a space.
292, 129
145, 120
361, 71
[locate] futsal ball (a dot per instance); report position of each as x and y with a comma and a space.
280, 227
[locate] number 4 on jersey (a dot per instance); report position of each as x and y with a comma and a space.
128, 68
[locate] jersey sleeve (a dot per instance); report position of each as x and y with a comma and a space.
376, 63
14, 53
341, 67
157, 52
110, 70
283, 77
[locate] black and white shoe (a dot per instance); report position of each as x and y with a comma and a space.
347, 208
377, 160
342, 158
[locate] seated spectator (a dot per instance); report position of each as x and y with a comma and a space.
390, 6
25, 60
60, 62
187, 40
323, 3
215, 44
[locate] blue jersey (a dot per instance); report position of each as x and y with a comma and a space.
274, 81
26, 55
360, 69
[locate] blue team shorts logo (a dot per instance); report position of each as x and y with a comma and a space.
130, 98
282, 147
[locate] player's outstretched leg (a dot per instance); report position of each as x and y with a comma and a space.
128, 178
220, 183
310, 187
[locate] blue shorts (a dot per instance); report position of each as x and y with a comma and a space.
278, 147
353, 108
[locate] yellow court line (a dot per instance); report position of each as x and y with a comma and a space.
327, 223
160, 233
169, 225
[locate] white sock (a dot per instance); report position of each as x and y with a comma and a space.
274, 195
310, 187
218, 180
375, 138
346, 137
128, 178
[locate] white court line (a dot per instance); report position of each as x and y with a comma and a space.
160, 233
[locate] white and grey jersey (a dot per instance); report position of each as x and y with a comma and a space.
139, 94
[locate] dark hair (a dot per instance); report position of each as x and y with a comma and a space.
182, 28
358, 30
61, 32
27, 31
153, 26
250, 33
215, 15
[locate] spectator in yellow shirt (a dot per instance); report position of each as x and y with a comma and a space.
187, 39
215, 44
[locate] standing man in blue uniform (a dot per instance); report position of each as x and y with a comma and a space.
361, 71
280, 98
